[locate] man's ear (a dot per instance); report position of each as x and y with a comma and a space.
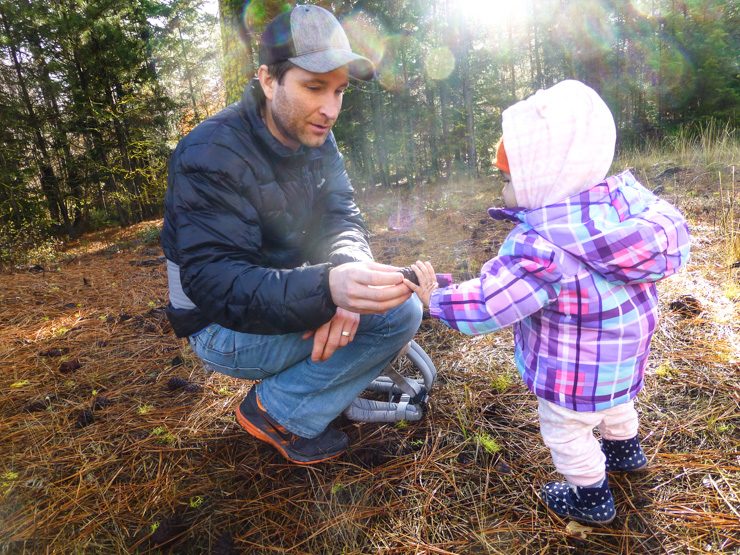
267, 81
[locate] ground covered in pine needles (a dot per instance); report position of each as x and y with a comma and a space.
114, 440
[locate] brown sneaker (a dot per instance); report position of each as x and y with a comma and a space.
252, 416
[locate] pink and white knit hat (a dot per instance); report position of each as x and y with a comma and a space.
559, 142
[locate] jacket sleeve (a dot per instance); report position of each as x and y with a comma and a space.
217, 233
340, 234
521, 280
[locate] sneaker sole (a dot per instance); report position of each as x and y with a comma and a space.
259, 434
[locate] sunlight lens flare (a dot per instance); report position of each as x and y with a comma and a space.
365, 36
390, 68
439, 63
255, 14
674, 72
403, 219
587, 24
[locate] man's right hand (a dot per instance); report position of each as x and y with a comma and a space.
367, 287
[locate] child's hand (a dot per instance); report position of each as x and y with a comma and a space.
427, 281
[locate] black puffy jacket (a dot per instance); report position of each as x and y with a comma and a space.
255, 227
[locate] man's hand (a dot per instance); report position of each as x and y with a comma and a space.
367, 287
335, 334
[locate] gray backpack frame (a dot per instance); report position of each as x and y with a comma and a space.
407, 396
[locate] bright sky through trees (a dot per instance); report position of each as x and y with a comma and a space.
494, 13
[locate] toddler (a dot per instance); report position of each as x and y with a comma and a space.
576, 277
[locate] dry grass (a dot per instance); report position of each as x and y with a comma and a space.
107, 458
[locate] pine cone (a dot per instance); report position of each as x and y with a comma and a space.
409, 274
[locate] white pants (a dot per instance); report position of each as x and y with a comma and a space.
569, 435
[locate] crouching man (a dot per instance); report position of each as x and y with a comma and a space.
270, 274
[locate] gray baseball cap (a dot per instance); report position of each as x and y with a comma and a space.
311, 38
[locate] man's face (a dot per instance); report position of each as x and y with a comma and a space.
303, 109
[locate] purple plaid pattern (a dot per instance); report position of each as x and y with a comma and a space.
577, 281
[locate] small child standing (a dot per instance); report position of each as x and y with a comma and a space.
576, 277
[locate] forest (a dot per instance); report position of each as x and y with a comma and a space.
95, 94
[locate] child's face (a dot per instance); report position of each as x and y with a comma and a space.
508, 192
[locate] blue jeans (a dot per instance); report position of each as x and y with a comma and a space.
302, 395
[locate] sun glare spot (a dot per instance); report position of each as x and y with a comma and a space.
391, 68
646, 8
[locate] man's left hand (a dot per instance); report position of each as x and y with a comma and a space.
335, 334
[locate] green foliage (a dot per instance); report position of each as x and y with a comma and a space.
28, 244
665, 370
7, 480
163, 436
488, 443
99, 218
150, 235
501, 382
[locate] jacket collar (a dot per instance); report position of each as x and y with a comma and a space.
251, 111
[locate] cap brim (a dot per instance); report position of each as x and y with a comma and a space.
329, 60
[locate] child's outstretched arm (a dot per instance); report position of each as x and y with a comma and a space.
521, 280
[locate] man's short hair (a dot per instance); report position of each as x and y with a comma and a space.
276, 71
279, 69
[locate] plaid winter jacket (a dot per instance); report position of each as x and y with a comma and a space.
577, 280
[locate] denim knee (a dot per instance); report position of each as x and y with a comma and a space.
407, 317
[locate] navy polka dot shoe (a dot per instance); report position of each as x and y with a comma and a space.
594, 505
623, 456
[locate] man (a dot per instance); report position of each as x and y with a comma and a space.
268, 261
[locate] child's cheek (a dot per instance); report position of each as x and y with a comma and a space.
509, 197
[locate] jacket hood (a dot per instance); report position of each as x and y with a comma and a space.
559, 142
617, 228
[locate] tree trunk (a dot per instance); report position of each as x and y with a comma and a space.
70, 169
94, 140
512, 72
188, 74
444, 103
467, 89
409, 129
380, 131
239, 62
431, 111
